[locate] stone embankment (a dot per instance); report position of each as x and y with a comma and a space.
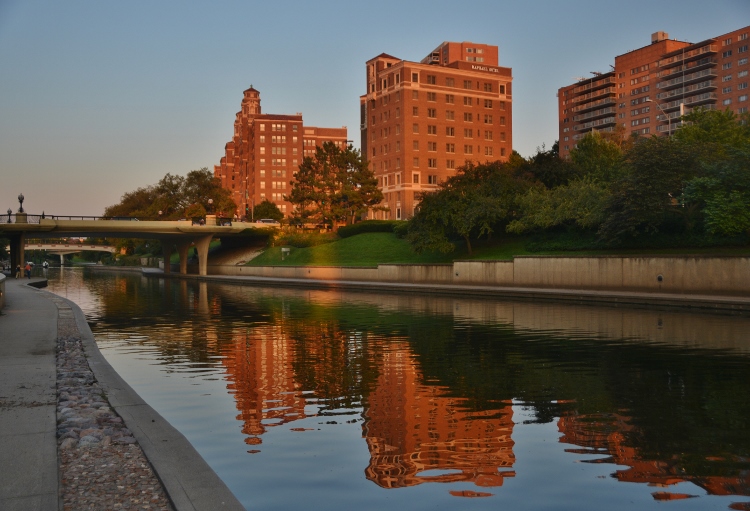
101, 464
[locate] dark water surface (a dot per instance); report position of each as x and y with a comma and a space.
336, 400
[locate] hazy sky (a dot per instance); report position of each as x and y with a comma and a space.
98, 97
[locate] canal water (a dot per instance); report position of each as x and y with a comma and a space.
303, 399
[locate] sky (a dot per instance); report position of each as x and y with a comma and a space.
99, 98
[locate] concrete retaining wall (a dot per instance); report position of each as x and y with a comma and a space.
678, 275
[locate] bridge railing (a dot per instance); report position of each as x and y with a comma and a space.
21, 218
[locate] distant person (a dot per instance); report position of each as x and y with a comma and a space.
28, 270
18, 271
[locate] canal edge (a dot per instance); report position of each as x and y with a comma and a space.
191, 484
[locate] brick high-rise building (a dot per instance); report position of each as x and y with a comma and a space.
265, 152
649, 89
422, 120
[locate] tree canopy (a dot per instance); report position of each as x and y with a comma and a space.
334, 186
172, 195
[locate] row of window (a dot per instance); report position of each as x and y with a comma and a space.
278, 127
276, 185
274, 172
467, 84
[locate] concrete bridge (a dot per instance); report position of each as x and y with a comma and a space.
63, 249
177, 235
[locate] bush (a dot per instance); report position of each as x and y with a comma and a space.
369, 226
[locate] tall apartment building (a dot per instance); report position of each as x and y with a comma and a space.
420, 121
649, 89
265, 153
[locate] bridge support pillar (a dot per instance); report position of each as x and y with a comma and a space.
201, 247
167, 248
182, 251
17, 251
62, 259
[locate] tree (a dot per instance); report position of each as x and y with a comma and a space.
172, 195
334, 186
598, 156
267, 209
655, 172
468, 205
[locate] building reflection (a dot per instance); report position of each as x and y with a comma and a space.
261, 376
418, 433
612, 435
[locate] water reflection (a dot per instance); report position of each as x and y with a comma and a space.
442, 390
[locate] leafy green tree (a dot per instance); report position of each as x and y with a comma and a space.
656, 171
334, 186
468, 205
723, 193
714, 133
267, 209
598, 156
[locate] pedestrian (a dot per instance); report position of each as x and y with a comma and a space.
28, 270
18, 271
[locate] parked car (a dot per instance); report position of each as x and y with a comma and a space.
267, 221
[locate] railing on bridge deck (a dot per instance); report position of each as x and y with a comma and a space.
25, 218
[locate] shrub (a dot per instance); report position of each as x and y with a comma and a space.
369, 226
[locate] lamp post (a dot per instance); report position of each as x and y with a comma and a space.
210, 205
10, 212
20, 202
669, 119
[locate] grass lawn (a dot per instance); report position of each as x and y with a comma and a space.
371, 249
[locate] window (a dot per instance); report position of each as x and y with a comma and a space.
262, 150
450, 115
415, 128
415, 78
742, 49
432, 112
487, 87
262, 139
468, 149
487, 103
468, 84
726, 78
727, 42
487, 119
432, 146
742, 62
726, 90
468, 117
502, 136
432, 163
415, 145
450, 164
726, 102
467, 101
488, 151
727, 54
450, 148
502, 89
415, 162
450, 82
262, 172
741, 74
262, 162
502, 121
742, 37
415, 110
415, 178
415, 94
502, 104
450, 99
468, 133
726, 65
431, 79
742, 86
432, 179
431, 96
432, 129
742, 98
262, 127
450, 131
488, 135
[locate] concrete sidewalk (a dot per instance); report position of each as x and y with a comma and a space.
28, 446
29, 473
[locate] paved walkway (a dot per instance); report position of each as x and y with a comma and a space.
28, 445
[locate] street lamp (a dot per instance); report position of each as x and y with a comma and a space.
20, 201
10, 212
210, 205
669, 119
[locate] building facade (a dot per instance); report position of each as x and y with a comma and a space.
265, 152
649, 89
420, 121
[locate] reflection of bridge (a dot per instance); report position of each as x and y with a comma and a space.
178, 235
62, 249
